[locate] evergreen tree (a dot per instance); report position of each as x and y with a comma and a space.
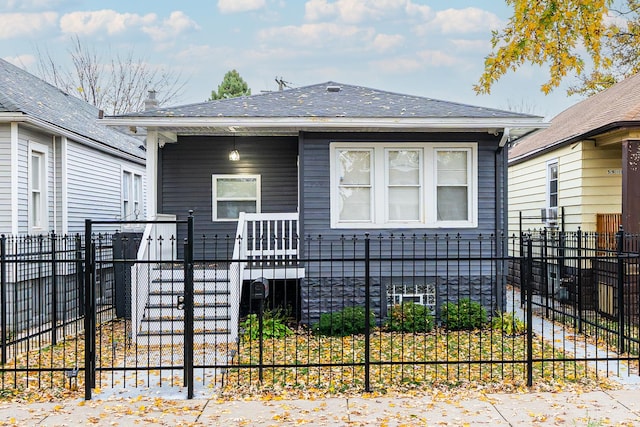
232, 86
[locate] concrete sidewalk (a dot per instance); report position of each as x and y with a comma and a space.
597, 408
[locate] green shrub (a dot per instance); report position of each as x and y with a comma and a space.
508, 323
409, 317
273, 326
463, 314
348, 321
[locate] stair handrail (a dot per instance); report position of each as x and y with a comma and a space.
149, 250
236, 267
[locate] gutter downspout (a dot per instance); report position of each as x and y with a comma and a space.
55, 185
505, 138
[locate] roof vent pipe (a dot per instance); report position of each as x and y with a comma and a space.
333, 88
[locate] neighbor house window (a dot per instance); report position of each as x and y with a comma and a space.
403, 185
131, 195
552, 185
233, 194
38, 184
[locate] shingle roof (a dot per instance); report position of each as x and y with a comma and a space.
330, 99
21, 92
619, 104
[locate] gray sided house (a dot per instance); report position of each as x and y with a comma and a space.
58, 167
335, 160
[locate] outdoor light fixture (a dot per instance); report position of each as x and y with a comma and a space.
234, 155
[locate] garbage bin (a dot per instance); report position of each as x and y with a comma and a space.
125, 248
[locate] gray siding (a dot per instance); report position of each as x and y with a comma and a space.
188, 165
316, 188
475, 278
94, 187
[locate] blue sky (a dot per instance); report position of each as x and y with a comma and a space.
419, 47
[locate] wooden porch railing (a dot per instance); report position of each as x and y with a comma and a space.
270, 237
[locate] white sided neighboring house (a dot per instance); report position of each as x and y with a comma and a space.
58, 165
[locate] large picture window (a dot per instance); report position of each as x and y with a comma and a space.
233, 194
417, 185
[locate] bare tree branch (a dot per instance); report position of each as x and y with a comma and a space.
118, 85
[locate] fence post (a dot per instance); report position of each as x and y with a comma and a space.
3, 296
89, 313
54, 291
620, 275
545, 270
579, 281
188, 308
367, 313
79, 276
529, 295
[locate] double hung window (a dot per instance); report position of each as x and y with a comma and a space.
38, 184
394, 185
131, 195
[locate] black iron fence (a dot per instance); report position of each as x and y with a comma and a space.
358, 312
42, 306
586, 280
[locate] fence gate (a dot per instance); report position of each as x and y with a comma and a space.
138, 301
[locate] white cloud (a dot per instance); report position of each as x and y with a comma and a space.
22, 61
353, 11
316, 10
386, 42
315, 35
177, 23
14, 25
103, 20
420, 11
233, 6
468, 20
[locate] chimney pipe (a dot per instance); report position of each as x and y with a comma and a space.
151, 102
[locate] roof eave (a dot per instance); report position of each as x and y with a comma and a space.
571, 140
326, 123
60, 131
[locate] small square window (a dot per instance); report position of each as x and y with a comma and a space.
233, 194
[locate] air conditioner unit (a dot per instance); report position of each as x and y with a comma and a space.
549, 215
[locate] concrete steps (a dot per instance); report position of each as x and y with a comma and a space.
215, 308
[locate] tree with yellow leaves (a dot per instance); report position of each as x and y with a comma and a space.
557, 33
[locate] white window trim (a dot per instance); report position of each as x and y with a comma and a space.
214, 200
132, 215
43, 151
428, 174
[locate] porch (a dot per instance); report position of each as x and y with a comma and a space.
264, 248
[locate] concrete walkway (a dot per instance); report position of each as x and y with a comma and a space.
597, 408
600, 359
